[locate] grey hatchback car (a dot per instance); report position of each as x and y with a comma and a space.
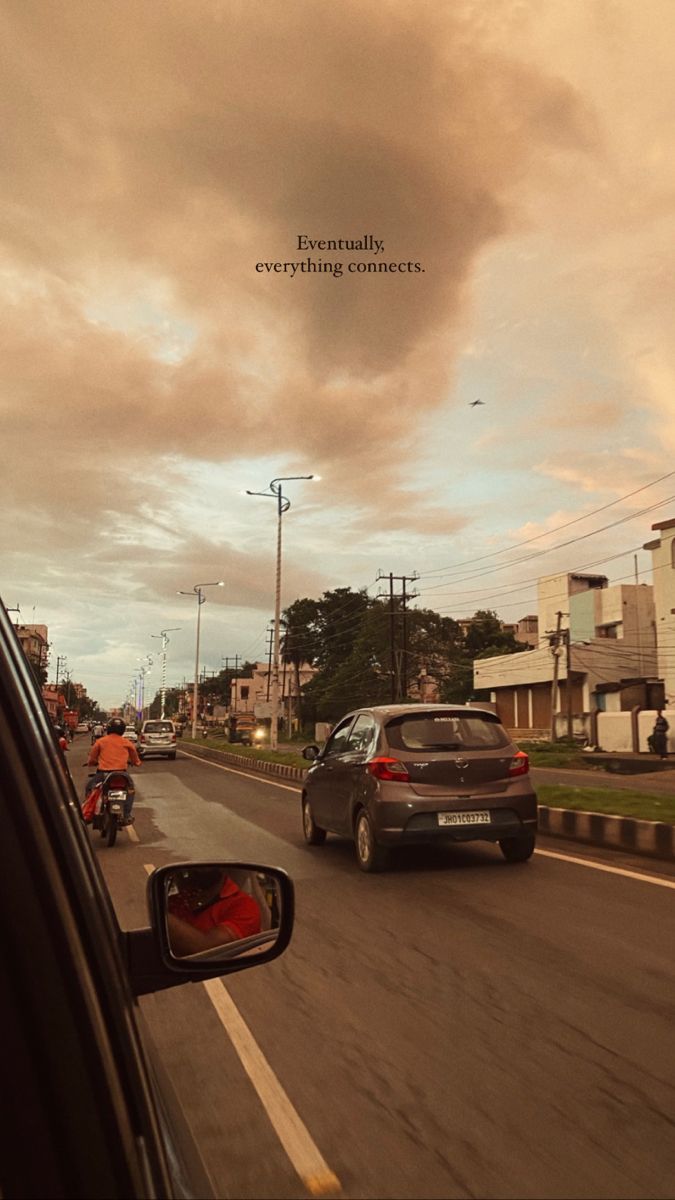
414, 774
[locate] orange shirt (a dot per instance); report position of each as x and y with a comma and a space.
234, 909
113, 753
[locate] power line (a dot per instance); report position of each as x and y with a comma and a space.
555, 529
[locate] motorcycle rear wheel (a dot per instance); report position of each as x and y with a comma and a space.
110, 830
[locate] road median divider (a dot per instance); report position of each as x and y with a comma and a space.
653, 838
245, 762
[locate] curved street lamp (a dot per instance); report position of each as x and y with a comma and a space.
283, 505
201, 599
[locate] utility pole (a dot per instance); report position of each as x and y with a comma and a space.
568, 683
392, 641
637, 617
398, 658
270, 648
556, 669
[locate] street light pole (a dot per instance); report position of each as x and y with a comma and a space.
165, 642
283, 505
201, 599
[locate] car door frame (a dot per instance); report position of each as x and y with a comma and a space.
77, 1064
324, 779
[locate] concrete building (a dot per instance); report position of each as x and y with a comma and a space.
663, 565
34, 643
603, 658
253, 693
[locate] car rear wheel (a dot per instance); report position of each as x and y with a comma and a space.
518, 849
314, 835
369, 855
171, 756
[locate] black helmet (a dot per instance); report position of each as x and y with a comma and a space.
115, 726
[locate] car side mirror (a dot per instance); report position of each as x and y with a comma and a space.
209, 919
311, 752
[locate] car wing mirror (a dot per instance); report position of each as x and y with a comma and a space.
311, 752
210, 919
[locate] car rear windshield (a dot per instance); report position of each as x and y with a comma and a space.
446, 731
158, 727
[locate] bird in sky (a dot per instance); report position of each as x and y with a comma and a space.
473, 403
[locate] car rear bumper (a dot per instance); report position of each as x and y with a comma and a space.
423, 828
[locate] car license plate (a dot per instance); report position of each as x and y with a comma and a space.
464, 818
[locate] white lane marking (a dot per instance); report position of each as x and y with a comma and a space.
131, 833
235, 771
289, 1127
293, 1134
596, 866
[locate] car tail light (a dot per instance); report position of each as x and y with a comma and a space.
142, 737
389, 768
173, 737
520, 764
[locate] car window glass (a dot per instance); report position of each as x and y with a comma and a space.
446, 731
158, 727
338, 738
361, 737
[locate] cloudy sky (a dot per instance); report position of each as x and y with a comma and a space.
155, 151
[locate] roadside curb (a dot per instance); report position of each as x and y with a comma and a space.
652, 838
252, 764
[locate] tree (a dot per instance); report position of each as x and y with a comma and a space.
486, 633
39, 671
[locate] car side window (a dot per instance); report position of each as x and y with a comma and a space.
362, 735
337, 739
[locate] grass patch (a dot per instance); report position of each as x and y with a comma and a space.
255, 752
558, 754
628, 802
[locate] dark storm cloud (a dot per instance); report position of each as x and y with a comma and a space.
163, 150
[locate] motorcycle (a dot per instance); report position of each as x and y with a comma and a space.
105, 806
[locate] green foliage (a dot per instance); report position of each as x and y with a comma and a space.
252, 752
354, 656
627, 802
39, 671
485, 637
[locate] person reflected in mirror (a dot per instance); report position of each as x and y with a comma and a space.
207, 909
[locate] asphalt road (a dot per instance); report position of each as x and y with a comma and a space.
455, 1027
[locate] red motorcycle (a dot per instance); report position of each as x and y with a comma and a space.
105, 806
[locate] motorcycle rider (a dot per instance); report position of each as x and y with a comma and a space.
113, 752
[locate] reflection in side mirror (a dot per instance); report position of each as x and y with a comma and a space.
311, 752
215, 913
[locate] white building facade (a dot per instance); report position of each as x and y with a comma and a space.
597, 652
663, 565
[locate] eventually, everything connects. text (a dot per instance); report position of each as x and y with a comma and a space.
319, 266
